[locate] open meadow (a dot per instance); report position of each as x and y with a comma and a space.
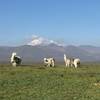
41, 83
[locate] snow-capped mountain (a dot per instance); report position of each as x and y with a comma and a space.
36, 41
40, 47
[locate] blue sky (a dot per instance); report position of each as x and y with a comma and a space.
74, 22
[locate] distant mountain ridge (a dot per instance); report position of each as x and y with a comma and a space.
36, 53
92, 49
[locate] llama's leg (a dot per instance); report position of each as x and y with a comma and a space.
14, 64
66, 65
53, 64
69, 64
48, 65
75, 65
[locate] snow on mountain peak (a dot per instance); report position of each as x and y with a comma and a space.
36, 40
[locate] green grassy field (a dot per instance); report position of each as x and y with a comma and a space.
59, 83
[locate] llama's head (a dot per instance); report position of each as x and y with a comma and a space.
14, 54
45, 59
64, 55
12, 57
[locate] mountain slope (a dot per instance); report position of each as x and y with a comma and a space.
37, 53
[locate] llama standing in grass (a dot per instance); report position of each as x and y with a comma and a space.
67, 61
71, 62
49, 62
15, 60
